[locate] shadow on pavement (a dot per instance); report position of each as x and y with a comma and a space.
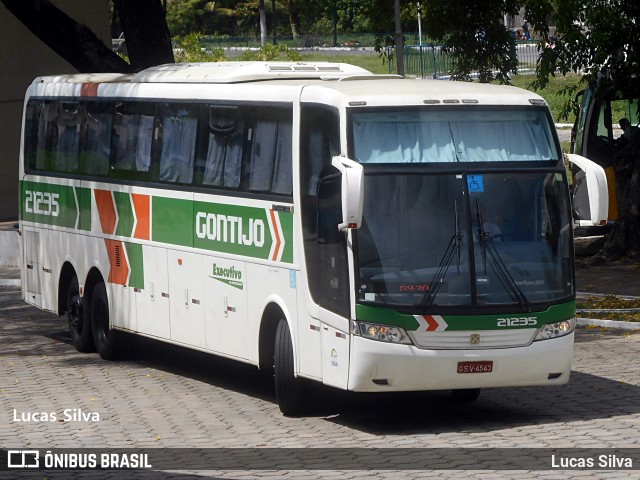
586, 397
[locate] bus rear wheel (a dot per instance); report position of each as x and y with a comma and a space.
105, 338
289, 392
79, 323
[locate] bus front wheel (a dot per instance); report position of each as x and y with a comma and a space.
289, 392
79, 324
105, 339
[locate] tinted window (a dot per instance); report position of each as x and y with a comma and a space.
245, 148
225, 133
269, 164
178, 128
131, 138
95, 147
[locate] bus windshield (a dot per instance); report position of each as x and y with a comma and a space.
464, 239
436, 135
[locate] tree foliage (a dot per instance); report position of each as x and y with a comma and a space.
599, 39
474, 36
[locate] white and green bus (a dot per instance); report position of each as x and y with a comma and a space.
371, 233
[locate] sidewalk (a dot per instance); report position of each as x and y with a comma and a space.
620, 278
9, 276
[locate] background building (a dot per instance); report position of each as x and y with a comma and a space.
22, 58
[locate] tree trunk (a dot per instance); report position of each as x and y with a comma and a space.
145, 30
263, 23
294, 19
274, 22
75, 43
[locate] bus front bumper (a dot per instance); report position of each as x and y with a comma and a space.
384, 367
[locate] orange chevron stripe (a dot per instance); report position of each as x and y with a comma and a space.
277, 234
119, 272
142, 207
106, 210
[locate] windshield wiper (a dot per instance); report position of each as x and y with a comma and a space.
454, 247
499, 267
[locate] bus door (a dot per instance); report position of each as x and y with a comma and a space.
325, 249
333, 282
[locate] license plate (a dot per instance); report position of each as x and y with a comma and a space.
481, 366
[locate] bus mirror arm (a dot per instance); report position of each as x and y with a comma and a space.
352, 192
596, 183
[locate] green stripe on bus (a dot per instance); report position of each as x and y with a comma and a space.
136, 264
391, 317
84, 202
286, 221
219, 227
385, 316
232, 229
58, 205
125, 214
172, 221
553, 314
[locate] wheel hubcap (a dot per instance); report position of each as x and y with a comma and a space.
75, 312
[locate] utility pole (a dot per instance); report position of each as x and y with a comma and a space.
419, 26
399, 42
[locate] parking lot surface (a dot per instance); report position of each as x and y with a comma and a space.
168, 397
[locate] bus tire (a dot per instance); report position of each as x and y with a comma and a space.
105, 338
288, 389
466, 395
79, 322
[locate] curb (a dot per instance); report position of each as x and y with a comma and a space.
10, 282
609, 323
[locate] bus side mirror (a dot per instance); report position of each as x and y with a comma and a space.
352, 192
590, 192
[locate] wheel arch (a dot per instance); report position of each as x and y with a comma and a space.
94, 277
271, 316
67, 272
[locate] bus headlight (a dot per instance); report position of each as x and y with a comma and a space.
382, 333
555, 330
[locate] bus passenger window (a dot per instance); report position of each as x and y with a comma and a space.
68, 130
179, 129
224, 153
282, 170
132, 136
260, 166
95, 144
47, 135
32, 117
269, 165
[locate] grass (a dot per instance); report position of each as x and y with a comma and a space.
371, 62
609, 307
551, 93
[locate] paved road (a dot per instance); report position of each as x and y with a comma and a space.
169, 397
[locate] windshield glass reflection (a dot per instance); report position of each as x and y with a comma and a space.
458, 240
